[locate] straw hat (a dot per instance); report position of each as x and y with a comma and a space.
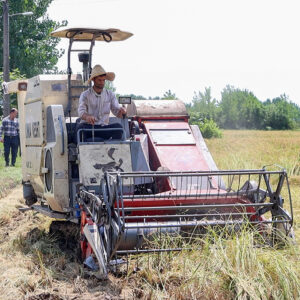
98, 70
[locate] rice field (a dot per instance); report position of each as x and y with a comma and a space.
235, 268
33, 266
252, 149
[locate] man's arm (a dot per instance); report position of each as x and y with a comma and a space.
82, 110
1, 131
115, 107
18, 127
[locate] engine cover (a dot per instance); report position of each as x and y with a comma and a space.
56, 184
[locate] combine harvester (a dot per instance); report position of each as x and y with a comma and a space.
158, 179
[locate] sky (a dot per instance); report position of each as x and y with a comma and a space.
187, 45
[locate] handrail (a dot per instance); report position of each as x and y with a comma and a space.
99, 129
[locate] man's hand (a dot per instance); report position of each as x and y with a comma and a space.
121, 112
1, 140
89, 119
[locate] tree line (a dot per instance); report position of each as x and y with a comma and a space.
241, 109
168, 95
238, 109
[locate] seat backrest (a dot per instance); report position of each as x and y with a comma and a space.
123, 122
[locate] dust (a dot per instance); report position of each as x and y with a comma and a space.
39, 261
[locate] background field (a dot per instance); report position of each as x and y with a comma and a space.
34, 266
252, 149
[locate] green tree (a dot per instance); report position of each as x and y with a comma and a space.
281, 113
209, 129
168, 95
14, 75
32, 50
109, 85
204, 106
240, 109
203, 112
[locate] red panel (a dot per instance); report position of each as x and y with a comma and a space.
181, 158
175, 157
182, 202
86, 249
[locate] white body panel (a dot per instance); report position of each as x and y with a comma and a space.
94, 160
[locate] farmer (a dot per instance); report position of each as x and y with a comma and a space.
10, 130
95, 105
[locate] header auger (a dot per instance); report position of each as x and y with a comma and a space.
158, 179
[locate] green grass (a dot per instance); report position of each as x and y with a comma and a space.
9, 176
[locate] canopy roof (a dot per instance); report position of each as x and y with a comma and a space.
87, 34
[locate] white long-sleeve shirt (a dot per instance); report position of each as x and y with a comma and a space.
98, 105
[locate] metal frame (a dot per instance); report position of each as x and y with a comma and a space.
239, 212
106, 37
69, 69
99, 130
128, 220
